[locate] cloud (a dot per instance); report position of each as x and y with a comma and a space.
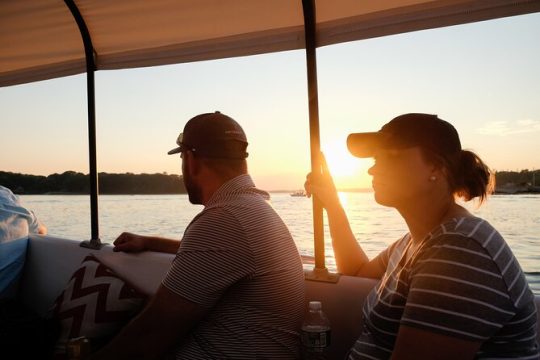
504, 128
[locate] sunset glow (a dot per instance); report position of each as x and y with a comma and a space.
340, 162
348, 171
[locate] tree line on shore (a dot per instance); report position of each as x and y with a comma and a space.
71, 182
523, 177
517, 182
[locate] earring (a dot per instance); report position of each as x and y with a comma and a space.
432, 178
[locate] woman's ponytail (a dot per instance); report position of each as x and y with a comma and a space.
471, 177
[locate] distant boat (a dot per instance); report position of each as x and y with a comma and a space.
299, 193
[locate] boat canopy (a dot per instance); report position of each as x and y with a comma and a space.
40, 39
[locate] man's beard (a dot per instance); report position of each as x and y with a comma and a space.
193, 190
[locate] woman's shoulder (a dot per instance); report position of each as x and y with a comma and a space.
475, 242
469, 227
474, 234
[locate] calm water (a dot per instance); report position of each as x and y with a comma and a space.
517, 217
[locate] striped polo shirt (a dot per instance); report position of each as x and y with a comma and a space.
238, 259
462, 281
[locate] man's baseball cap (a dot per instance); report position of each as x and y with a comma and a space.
213, 135
405, 131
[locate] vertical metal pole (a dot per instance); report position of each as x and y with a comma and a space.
95, 242
315, 142
94, 219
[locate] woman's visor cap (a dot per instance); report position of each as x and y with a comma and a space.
406, 131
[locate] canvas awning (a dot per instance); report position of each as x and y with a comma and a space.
40, 40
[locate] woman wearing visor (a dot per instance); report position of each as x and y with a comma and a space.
450, 288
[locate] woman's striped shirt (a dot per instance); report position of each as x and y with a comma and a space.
238, 259
462, 281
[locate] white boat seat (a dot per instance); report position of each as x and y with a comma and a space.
51, 262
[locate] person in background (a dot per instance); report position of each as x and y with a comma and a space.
236, 286
16, 223
450, 288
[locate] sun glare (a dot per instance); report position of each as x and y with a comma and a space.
340, 162
347, 170
343, 198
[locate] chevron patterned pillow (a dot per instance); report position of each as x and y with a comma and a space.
96, 303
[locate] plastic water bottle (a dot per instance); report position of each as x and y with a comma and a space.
315, 333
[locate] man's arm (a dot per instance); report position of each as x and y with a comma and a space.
156, 330
128, 242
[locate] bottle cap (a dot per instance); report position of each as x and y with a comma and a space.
315, 305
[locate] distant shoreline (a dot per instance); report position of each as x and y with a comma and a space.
75, 183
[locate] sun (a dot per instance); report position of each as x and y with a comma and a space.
340, 162
348, 171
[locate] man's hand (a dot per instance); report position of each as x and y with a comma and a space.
128, 242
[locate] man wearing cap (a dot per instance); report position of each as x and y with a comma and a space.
235, 288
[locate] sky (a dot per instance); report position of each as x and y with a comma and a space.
484, 78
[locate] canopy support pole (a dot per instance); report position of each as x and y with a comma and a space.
320, 272
95, 242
